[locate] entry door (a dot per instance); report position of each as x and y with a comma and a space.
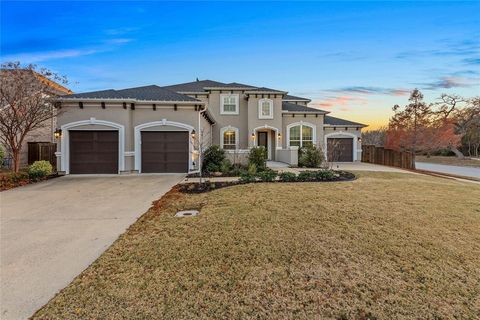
263, 141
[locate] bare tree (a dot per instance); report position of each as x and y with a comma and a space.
201, 142
25, 103
375, 137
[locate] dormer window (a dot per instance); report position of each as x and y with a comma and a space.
265, 109
229, 104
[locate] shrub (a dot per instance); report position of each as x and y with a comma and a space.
324, 175
252, 169
247, 177
237, 170
267, 175
2, 155
288, 176
225, 166
258, 157
213, 158
306, 176
310, 157
40, 169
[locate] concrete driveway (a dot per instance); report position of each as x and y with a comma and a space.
52, 231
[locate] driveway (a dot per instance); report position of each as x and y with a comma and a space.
455, 170
52, 231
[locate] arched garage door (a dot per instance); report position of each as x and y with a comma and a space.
165, 151
93, 151
340, 149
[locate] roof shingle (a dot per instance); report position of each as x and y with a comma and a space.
292, 107
341, 122
294, 98
146, 93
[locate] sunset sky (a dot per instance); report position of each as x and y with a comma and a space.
354, 59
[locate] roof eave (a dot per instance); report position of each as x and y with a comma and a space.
313, 112
346, 125
266, 92
128, 100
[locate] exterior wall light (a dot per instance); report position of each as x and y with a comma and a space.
253, 135
359, 139
58, 133
193, 134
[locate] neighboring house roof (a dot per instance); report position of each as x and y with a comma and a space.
146, 93
292, 107
332, 121
294, 98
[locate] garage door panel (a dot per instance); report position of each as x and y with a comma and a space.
340, 149
165, 151
93, 152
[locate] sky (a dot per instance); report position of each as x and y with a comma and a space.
354, 59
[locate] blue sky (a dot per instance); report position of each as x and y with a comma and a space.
355, 59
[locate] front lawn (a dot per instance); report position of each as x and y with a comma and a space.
452, 161
385, 246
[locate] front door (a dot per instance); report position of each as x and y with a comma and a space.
263, 141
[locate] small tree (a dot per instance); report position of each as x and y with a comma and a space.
26, 103
375, 137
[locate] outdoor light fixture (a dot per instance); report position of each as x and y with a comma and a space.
359, 139
279, 135
58, 133
193, 134
253, 135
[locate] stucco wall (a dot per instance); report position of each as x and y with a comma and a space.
143, 113
316, 121
341, 132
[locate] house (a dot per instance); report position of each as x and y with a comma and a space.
161, 129
45, 132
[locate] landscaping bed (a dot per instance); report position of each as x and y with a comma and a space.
269, 176
38, 171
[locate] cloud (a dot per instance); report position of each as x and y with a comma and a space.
40, 56
450, 82
342, 102
33, 57
462, 48
473, 60
373, 90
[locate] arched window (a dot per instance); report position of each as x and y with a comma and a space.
229, 138
265, 109
301, 134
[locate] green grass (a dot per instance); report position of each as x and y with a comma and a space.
452, 161
390, 246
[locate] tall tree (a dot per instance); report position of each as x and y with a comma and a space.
25, 103
375, 137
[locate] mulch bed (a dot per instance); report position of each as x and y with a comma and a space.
197, 187
7, 181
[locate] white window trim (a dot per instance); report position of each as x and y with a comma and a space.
301, 124
229, 128
237, 99
260, 116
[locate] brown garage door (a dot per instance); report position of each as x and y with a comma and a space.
340, 149
93, 151
165, 151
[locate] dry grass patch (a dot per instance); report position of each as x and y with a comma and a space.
386, 246
452, 161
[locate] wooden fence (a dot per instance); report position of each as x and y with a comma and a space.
387, 157
42, 151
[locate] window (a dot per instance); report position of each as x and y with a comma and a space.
295, 136
229, 138
265, 109
229, 104
301, 135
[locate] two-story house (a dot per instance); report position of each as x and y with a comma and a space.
162, 129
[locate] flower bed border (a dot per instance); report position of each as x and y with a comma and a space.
207, 186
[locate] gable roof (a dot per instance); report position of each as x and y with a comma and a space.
194, 86
332, 121
292, 107
294, 98
145, 93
